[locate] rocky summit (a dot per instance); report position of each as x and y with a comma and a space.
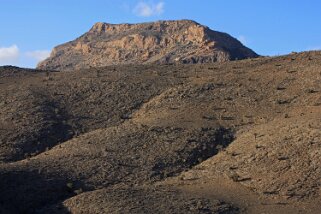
162, 42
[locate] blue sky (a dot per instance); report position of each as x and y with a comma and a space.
31, 28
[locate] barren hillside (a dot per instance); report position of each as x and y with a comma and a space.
230, 137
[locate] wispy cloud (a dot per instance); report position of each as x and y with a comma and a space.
9, 55
38, 55
149, 9
242, 39
13, 55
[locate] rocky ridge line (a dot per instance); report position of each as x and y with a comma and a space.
162, 42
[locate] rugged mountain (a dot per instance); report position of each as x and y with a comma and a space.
232, 137
161, 42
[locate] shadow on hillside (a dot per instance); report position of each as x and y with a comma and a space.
30, 192
219, 139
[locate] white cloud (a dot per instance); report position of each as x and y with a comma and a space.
38, 55
149, 9
242, 39
12, 55
9, 55
159, 9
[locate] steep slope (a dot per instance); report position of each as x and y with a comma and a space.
241, 136
279, 159
35, 105
157, 42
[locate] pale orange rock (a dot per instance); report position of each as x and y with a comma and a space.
161, 42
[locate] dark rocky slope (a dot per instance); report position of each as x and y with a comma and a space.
240, 136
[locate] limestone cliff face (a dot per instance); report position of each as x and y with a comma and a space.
160, 42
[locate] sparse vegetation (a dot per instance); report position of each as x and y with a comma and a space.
127, 138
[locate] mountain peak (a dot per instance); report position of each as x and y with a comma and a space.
174, 41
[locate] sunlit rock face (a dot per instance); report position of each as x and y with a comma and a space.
162, 42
